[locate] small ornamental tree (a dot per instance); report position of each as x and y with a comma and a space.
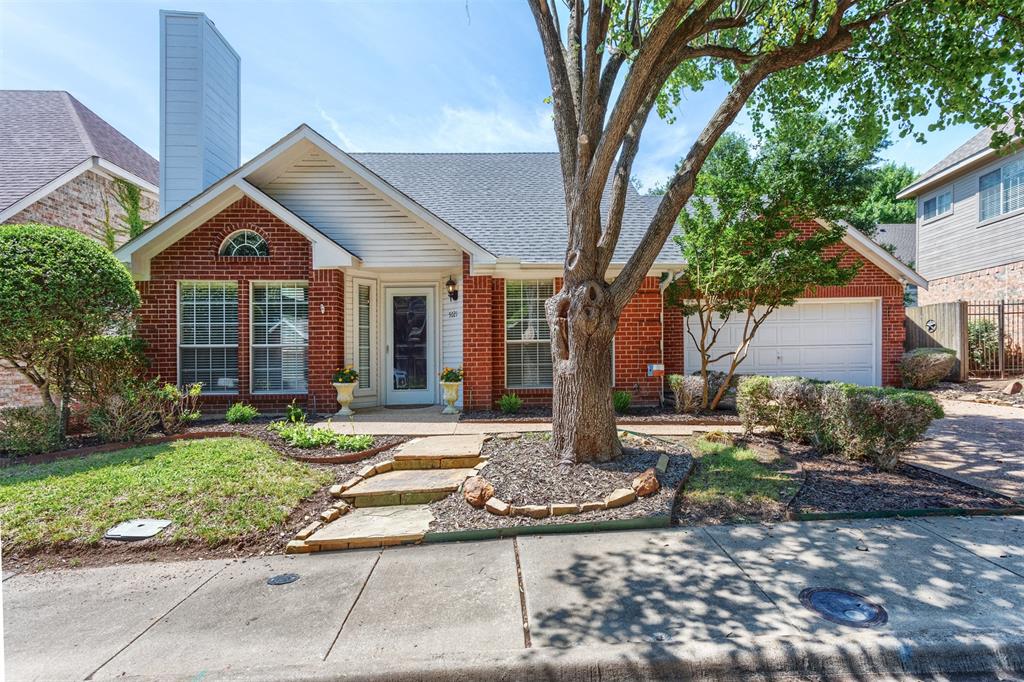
871, 63
745, 255
58, 289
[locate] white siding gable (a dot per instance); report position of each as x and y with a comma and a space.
358, 217
959, 242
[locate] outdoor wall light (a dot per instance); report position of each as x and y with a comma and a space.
452, 287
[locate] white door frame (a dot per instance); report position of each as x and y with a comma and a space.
428, 395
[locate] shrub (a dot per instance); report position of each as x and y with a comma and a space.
127, 414
621, 401
29, 430
789, 405
176, 407
510, 403
689, 390
294, 414
982, 342
241, 413
302, 435
104, 365
924, 367
877, 424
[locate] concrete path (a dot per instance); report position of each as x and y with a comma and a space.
978, 444
673, 604
428, 421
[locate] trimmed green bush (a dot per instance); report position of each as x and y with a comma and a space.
862, 422
621, 401
29, 430
241, 413
922, 368
510, 403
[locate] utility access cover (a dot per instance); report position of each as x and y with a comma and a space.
843, 607
136, 529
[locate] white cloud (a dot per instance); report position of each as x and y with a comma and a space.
468, 129
345, 141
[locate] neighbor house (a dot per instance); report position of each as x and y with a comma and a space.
970, 223
59, 164
262, 280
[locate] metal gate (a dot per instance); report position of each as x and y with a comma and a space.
995, 338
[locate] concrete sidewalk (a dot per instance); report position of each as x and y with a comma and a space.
721, 602
428, 421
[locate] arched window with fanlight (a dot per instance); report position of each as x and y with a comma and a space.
244, 243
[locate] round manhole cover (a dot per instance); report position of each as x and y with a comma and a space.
283, 579
843, 607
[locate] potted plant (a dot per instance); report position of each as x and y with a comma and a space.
345, 381
451, 377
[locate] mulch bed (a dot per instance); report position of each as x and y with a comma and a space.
636, 415
526, 471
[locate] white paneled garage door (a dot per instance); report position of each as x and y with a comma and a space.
835, 339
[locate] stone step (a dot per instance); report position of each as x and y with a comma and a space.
406, 486
373, 527
440, 452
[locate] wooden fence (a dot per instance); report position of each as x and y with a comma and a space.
995, 331
940, 325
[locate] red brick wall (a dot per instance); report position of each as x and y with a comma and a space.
637, 343
194, 258
871, 281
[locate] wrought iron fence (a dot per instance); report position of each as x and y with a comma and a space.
995, 338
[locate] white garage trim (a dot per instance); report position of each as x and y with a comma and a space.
851, 353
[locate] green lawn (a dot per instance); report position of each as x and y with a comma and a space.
213, 490
732, 483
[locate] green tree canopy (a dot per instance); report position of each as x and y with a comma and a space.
57, 289
880, 204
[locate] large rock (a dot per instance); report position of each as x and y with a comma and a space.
1013, 388
477, 490
924, 367
646, 483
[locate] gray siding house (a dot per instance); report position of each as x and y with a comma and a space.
970, 223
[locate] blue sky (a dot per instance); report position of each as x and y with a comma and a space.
423, 76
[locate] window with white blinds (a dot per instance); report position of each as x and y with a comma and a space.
1001, 191
208, 335
280, 334
363, 327
527, 338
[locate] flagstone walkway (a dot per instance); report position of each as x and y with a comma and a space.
390, 503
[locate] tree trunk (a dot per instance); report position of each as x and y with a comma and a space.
65, 397
583, 319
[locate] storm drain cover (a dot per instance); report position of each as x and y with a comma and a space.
283, 579
136, 529
843, 607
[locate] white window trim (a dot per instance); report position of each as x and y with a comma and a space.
235, 233
948, 189
504, 331
309, 313
177, 331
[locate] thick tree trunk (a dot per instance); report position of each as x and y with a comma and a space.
583, 320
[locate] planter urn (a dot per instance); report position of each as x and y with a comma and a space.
345, 396
451, 396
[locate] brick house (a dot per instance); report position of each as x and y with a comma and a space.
307, 258
59, 163
970, 222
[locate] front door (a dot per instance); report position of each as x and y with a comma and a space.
409, 346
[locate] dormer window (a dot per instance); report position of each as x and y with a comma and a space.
245, 243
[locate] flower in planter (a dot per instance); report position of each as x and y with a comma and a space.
451, 374
345, 375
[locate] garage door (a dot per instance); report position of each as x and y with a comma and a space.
830, 339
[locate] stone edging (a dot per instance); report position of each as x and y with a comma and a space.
619, 497
75, 453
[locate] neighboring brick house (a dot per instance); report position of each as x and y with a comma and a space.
307, 258
970, 223
58, 165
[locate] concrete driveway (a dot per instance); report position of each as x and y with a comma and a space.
715, 603
978, 444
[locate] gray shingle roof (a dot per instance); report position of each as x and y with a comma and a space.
44, 133
902, 237
512, 204
979, 143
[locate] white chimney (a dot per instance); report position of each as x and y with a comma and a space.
199, 107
